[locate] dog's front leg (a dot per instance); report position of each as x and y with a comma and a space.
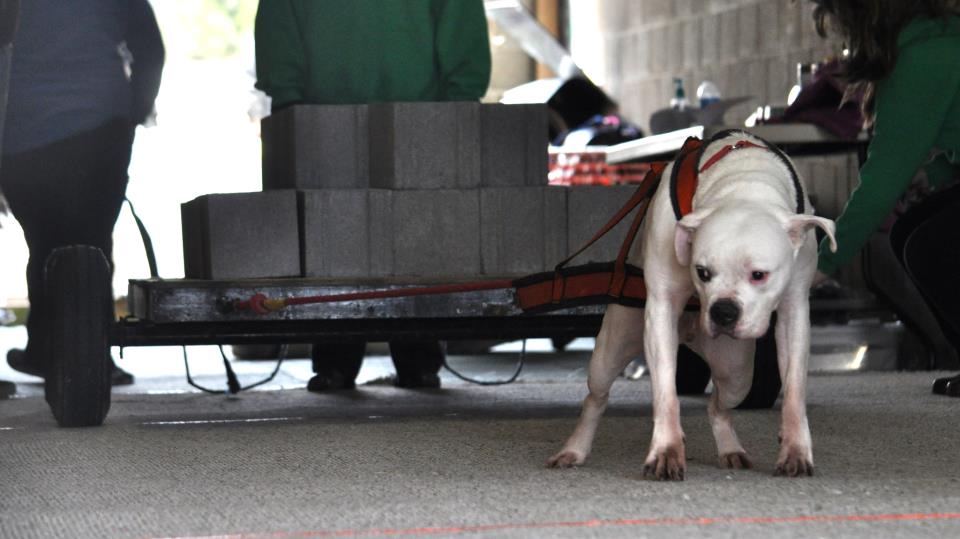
793, 350
666, 459
731, 367
620, 340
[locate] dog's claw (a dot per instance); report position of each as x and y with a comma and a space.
794, 468
667, 466
736, 461
565, 459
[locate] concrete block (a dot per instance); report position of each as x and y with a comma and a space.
772, 35
424, 145
657, 10
522, 229
555, 243
779, 80
657, 45
334, 232
316, 146
514, 145
692, 35
241, 236
674, 36
729, 37
436, 233
749, 31
791, 26
192, 230
710, 40
588, 209
381, 232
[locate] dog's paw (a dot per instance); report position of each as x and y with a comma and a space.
669, 464
736, 461
794, 461
566, 459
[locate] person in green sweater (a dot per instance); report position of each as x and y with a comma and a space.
905, 59
370, 51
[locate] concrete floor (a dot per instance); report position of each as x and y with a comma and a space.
467, 460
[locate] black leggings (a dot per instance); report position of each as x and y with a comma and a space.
66, 193
926, 240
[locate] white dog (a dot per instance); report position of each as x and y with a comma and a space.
746, 250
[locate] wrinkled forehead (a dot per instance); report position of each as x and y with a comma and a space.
741, 241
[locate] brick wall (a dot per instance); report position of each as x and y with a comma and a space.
746, 47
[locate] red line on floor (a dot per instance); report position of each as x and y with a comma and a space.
626, 522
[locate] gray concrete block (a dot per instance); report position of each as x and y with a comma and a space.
710, 40
381, 232
521, 229
657, 45
692, 35
316, 146
334, 232
436, 233
675, 44
192, 230
555, 244
588, 209
749, 31
772, 35
424, 145
729, 50
514, 140
241, 235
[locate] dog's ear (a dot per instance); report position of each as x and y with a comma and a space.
683, 235
798, 225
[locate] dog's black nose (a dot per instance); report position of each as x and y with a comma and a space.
724, 313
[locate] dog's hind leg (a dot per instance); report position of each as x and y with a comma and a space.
620, 340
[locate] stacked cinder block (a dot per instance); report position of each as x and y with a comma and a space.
589, 208
241, 235
407, 190
316, 146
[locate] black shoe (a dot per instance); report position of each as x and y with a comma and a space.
330, 381
947, 386
18, 361
118, 376
7, 389
418, 380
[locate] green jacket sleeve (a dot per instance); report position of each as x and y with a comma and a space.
911, 106
281, 65
463, 46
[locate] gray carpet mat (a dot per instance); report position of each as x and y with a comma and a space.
469, 461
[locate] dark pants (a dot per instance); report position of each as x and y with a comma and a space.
927, 242
66, 193
409, 357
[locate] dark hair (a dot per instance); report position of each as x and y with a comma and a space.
870, 29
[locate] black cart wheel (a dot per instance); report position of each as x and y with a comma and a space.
766, 374
693, 373
79, 303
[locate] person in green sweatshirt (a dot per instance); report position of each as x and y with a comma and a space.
905, 58
370, 51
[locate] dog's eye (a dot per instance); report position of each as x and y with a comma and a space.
757, 277
704, 274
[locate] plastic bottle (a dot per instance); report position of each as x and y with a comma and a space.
679, 99
707, 93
